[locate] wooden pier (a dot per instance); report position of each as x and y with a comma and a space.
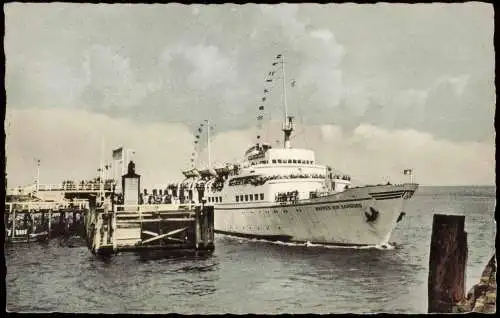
129, 226
148, 227
29, 221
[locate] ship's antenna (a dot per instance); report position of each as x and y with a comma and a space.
288, 123
208, 143
101, 171
284, 84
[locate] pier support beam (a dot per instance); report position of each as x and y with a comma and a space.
447, 263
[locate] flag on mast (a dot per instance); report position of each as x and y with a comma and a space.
118, 154
407, 171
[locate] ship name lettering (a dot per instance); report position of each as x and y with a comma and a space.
339, 206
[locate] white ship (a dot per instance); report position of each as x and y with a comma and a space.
284, 194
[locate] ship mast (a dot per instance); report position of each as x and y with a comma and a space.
208, 143
288, 123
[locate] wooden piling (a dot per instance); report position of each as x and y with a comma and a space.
197, 235
13, 231
50, 224
447, 263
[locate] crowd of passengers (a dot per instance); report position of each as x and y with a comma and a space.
291, 196
87, 184
260, 180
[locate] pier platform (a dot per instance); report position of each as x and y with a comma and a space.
30, 221
169, 227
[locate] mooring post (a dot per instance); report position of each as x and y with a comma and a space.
447, 262
13, 233
62, 224
205, 226
197, 221
42, 220
50, 223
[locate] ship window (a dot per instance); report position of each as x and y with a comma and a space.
241, 198
262, 196
220, 199
294, 161
274, 160
312, 162
246, 197
279, 160
289, 160
237, 199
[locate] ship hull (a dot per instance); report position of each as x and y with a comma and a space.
358, 217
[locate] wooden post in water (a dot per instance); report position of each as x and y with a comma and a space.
13, 231
447, 262
197, 231
50, 223
205, 226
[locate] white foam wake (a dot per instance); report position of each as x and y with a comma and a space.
308, 244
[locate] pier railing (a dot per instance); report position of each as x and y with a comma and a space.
75, 187
43, 205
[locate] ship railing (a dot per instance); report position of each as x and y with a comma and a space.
148, 208
49, 187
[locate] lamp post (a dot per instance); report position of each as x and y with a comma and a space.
37, 180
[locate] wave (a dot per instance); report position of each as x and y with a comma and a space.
388, 246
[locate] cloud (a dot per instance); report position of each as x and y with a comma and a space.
325, 35
69, 146
208, 66
68, 143
110, 80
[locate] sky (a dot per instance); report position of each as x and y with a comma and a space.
378, 87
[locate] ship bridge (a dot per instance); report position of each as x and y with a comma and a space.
281, 156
